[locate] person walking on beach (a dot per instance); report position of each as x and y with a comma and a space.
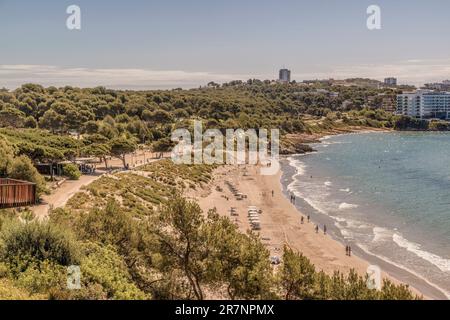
317, 228
346, 250
308, 218
272, 193
301, 220
324, 229
349, 251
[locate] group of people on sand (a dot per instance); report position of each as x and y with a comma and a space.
348, 250
302, 219
324, 228
292, 199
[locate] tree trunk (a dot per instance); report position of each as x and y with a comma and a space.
106, 163
194, 283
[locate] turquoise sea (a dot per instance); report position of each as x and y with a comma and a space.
387, 194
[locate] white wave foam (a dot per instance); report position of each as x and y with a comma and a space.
352, 223
347, 206
316, 206
345, 190
346, 233
381, 234
328, 183
379, 256
442, 263
298, 165
325, 138
339, 219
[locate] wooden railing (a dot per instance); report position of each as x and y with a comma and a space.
16, 193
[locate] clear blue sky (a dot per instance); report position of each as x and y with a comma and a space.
175, 42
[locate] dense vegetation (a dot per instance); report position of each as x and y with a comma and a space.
412, 124
19, 167
133, 234
135, 237
111, 123
103, 115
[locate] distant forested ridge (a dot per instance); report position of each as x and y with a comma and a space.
151, 115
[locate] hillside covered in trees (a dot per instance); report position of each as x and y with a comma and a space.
134, 235
150, 115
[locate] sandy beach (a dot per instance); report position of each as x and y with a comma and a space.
280, 220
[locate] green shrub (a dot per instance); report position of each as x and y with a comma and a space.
71, 171
6, 156
24, 244
40, 277
8, 291
111, 225
299, 281
22, 168
103, 265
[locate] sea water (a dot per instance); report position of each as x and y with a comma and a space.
386, 193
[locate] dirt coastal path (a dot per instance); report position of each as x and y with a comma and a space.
59, 197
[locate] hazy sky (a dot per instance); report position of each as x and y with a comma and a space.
171, 43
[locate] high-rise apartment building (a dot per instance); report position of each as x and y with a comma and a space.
390, 81
424, 104
285, 76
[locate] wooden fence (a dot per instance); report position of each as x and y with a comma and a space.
16, 193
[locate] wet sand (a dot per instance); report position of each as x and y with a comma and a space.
280, 219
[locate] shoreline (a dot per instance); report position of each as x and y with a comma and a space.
280, 222
311, 138
395, 272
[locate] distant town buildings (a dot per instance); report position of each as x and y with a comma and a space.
382, 101
424, 104
440, 86
390, 81
388, 104
285, 76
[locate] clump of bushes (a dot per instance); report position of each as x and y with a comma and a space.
300, 281
25, 244
20, 168
71, 171
103, 265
